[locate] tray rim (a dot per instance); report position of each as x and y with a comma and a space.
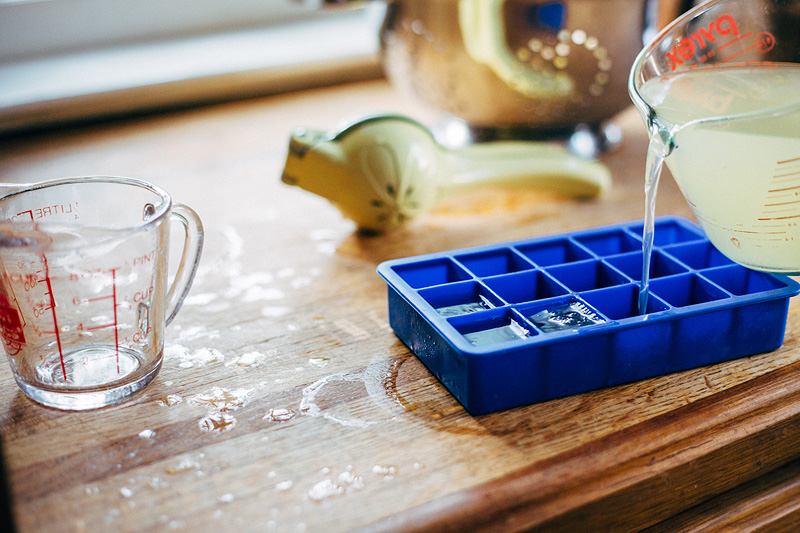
458, 342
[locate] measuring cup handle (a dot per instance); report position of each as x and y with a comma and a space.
190, 258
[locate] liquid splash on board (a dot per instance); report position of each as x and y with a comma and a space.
217, 422
257, 293
279, 415
283, 486
203, 299
320, 362
275, 311
156, 483
387, 471
345, 483
380, 379
195, 333
309, 405
326, 240
249, 359
254, 286
209, 301
187, 358
170, 400
185, 465
221, 400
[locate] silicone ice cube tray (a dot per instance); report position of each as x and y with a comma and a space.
478, 317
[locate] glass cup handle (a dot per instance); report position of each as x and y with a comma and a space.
190, 258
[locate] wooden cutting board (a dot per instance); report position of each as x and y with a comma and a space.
286, 403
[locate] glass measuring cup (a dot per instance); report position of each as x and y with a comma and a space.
719, 90
84, 295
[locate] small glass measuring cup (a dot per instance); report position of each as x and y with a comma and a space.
719, 90
84, 295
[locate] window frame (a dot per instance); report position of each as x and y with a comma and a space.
35, 28
263, 47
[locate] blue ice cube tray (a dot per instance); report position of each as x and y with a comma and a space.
473, 316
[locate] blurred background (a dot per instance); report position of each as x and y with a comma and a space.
75, 60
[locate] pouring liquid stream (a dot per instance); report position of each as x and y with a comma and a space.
656, 152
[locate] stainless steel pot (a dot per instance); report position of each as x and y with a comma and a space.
520, 66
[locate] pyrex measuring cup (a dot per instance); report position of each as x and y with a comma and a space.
719, 90
84, 294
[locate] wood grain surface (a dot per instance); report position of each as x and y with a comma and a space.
286, 403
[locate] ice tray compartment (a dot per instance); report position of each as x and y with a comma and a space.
494, 262
429, 273
460, 298
660, 265
587, 275
486, 322
525, 286
498, 327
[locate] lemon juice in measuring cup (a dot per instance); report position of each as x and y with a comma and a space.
84, 294
735, 137
719, 90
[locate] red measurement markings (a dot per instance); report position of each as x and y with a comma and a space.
734, 41
55, 318
29, 214
763, 42
114, 305
783, 198
37, 213
116, 329
94, 328
111, 297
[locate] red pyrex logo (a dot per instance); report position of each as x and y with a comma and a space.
698, 45
699, 41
